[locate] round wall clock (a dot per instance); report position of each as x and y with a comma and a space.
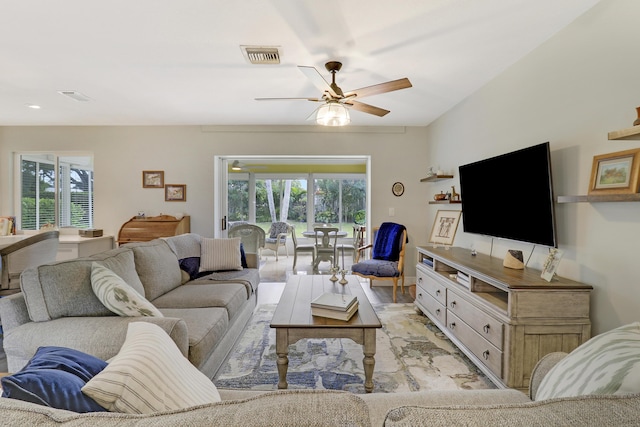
398, 189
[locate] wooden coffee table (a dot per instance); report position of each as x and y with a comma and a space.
293, 321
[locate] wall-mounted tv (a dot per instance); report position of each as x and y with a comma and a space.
510, 196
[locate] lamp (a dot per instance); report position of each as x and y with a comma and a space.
333, 113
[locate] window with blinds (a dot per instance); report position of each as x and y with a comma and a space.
55, 189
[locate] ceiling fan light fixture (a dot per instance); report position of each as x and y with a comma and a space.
333, 113
235, 166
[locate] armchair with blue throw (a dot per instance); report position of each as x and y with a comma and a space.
387, 256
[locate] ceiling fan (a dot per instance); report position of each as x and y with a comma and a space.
241, 167
336, 101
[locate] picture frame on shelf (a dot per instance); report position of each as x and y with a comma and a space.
616, 173
175, 193
152, 179
444, 227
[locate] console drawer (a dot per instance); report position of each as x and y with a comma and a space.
486, 326
431, 305
431, 286
486, 352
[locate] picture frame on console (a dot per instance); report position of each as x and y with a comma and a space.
616, 173
152, 179
175, 193
444, 227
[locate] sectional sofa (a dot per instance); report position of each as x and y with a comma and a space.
597, 384
480, 408
204, 309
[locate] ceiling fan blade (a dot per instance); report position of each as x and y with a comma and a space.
317, 80
366, 108
290, 99
380, 88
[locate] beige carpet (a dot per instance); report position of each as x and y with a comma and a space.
412, 354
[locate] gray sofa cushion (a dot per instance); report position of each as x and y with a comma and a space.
157, 267
47, 288
206, 326
99, 336
231, 296
292, 408
591, 410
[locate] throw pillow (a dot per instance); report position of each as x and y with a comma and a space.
220, 254
150, 374
608, 363
117, 295
54, 377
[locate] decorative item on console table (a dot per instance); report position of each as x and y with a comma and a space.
444, 227
636, 122
514, 259
506, 320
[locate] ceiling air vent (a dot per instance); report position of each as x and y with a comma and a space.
75, 95
261, 54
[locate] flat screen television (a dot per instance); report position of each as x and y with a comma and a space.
510, 196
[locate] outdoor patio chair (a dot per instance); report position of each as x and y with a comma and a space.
251, 236
277, 237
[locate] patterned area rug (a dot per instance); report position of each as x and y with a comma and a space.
411, 354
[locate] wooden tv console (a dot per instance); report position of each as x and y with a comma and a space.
504, 320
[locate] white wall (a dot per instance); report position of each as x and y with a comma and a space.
571, 91
186, 155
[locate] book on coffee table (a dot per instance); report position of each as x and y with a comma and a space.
335, 314
332, 301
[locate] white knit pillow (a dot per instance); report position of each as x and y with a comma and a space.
149, 375
608, 363
220, 254
115, 294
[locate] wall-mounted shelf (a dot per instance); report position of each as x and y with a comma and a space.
444, 202
629, 133
437, 178
635, 197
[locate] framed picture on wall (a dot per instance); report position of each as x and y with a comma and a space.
175, 193
444, 228
152, 179
616, 173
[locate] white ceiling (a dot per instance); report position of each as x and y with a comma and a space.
152, 62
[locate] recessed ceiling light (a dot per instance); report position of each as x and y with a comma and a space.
74, 95
33, 106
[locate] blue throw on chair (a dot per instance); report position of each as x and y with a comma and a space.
387, 256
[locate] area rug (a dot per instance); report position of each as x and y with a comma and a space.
411, 354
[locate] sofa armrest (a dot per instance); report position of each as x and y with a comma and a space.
541, 369
13, 311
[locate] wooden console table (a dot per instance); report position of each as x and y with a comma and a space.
504, 320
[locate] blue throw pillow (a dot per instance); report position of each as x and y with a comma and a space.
191, 265
54, 377
243, 257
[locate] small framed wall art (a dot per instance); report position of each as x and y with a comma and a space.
616, 173
444, 228
175, 193
152, 179
397, 189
